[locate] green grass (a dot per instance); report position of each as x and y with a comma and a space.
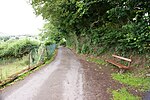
97, 61
141, 83
22, 76
6, 70
123, 94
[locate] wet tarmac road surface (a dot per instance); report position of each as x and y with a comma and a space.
60, 80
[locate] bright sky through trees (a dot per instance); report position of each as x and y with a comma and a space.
17, 18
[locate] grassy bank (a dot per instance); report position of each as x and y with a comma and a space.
134, 79
123, 94
12, 67
141, 83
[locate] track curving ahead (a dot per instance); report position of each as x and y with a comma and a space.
60, 80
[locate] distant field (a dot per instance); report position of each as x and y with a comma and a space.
12, 67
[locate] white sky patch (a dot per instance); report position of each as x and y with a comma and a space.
17, 18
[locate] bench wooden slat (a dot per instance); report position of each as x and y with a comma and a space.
126, 59
117, 64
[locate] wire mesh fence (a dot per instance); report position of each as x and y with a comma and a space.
37, 56
41, 54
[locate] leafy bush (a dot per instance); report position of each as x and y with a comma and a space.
17, 48
123, 24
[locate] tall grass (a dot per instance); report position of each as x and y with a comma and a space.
12, 66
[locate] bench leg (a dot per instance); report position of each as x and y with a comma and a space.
121, 71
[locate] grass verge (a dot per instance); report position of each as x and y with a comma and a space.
22, 76
6, 70
141, 83
97, 61
123, 94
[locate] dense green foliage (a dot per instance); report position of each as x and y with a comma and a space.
17, 48
96, 25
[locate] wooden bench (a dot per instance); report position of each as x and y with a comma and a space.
121, 66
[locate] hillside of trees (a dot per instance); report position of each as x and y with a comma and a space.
95, 26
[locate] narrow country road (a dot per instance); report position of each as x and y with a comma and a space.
60, 80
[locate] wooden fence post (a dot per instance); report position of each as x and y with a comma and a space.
1, 75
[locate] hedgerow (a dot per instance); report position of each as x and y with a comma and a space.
17, 48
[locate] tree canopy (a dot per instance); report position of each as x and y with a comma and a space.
94, 25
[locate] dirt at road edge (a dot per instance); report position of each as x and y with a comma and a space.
98, 82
